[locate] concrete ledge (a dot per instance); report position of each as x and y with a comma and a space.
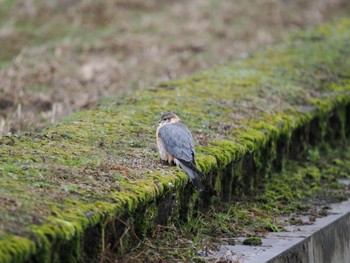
329, 243
92, 185
326, 240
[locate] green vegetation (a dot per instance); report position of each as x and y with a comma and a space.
300, 191
252, 241
94, 48
92, 184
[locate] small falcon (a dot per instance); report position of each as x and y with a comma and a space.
175, 145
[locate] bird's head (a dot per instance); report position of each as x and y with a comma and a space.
168, 118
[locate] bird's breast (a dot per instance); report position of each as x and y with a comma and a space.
162, 150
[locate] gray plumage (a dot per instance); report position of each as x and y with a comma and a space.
178, 141
191, 174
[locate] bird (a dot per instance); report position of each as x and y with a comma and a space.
176, 147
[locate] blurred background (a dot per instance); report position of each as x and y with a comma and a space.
59, 56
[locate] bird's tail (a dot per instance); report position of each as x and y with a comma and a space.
195, 169
191, 173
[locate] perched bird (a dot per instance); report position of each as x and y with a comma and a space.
175, 145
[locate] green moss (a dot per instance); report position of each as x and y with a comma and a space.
252, 241
15, 248
217, 155
103, 163
206, 163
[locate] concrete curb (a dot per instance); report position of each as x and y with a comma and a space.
326, 240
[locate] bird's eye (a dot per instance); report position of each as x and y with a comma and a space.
165, 119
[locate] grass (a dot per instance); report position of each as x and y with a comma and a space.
110, 48
302, 191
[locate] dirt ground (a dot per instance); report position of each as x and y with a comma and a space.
59, 56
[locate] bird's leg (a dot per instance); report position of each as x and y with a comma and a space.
171, 159
164, 162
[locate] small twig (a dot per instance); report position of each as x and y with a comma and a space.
121, 238
149, 243
139, 254
19, 111
128, 228
174, 248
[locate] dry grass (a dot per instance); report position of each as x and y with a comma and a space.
59, 56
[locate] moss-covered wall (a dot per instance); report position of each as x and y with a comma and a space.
93, 184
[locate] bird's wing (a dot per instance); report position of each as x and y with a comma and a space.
178, 141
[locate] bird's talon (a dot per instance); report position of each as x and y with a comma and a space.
163, 162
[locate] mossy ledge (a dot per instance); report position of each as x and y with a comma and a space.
92, 185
